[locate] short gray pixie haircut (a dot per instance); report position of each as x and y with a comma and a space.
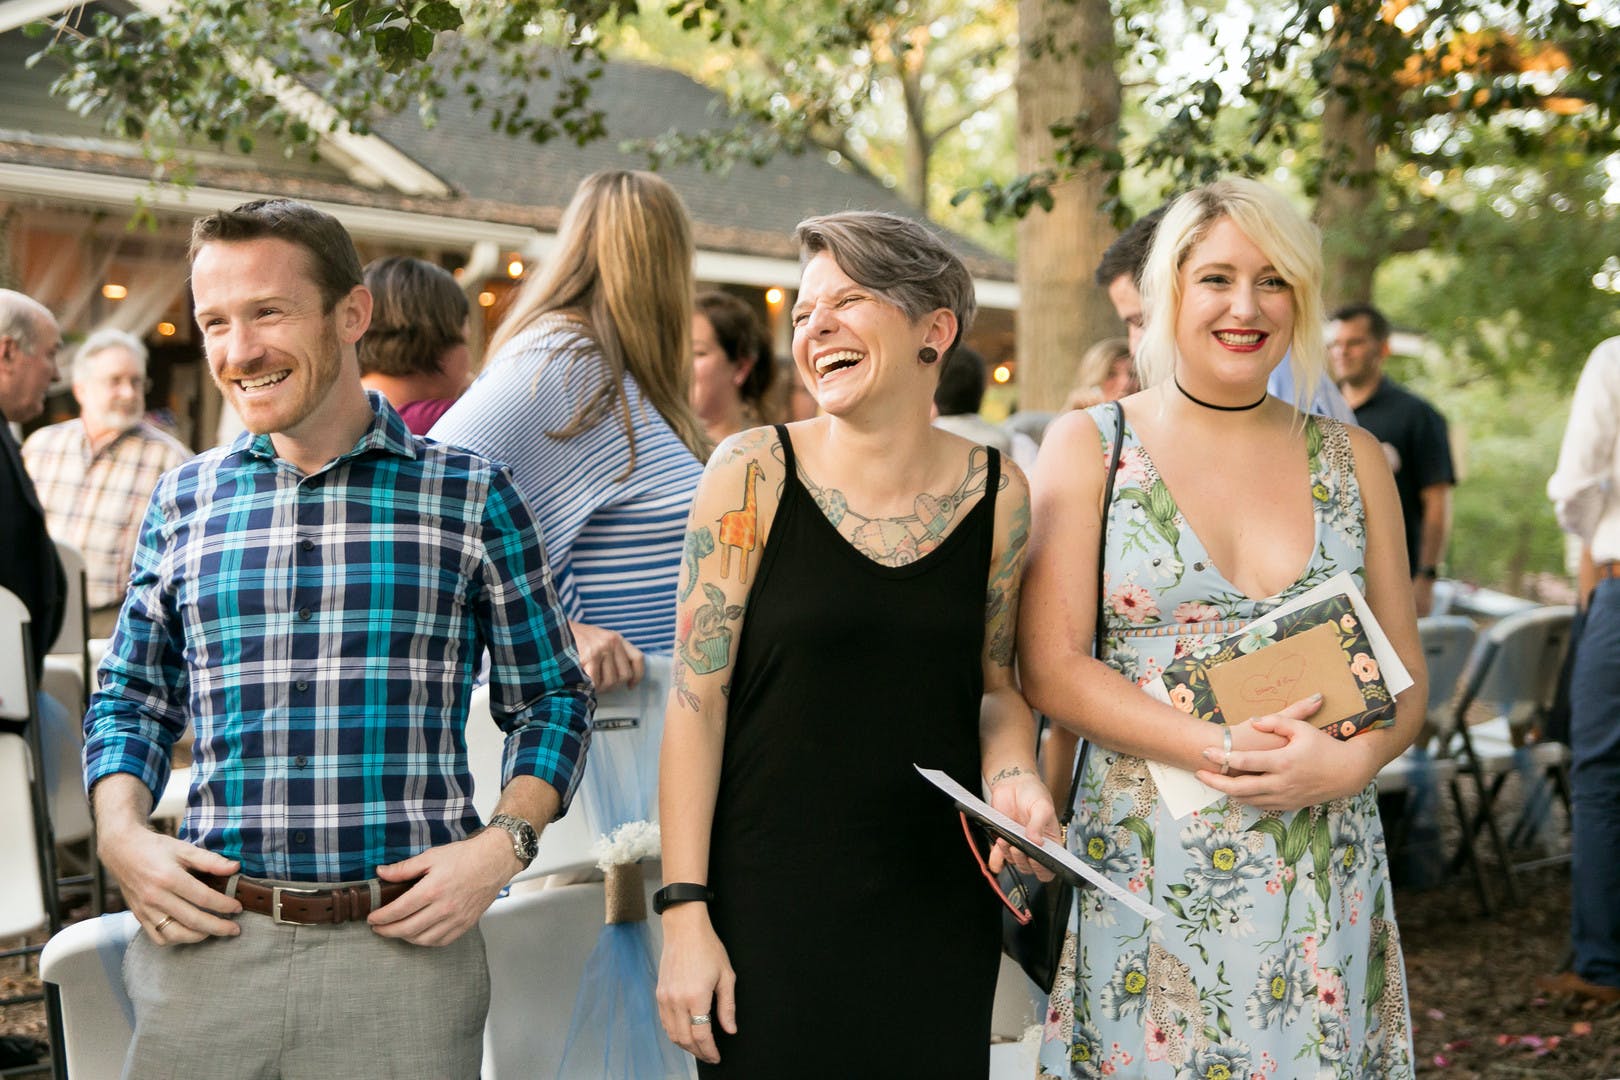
22, 318
901, 260
100, 342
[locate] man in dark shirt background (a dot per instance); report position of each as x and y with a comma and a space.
1413, 434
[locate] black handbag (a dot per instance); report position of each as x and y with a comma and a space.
1037, 945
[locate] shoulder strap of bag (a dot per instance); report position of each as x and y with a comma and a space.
1097, 621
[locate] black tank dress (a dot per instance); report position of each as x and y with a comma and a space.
864, 937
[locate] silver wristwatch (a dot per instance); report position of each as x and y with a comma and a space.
525, 841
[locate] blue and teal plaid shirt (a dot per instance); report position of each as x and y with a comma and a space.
322, 633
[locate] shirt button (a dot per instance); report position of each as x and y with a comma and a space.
300, 761
298, 837
301, 685
304, 613
307, 545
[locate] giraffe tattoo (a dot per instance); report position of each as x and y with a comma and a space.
740, 528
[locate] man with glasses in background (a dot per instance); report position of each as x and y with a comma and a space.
95, 474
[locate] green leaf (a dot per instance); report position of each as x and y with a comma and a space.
1299, 836
421, 42
1376, 974
1181, 890
1321, 856
1273, 828
1142, 831
440, 15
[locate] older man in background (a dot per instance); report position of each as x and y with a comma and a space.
29, 340
95, 474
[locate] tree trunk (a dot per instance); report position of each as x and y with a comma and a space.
919, 143
1066, 74
1353, 229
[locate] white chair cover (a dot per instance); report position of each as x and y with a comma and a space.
86, 961
22, 900
538, 942
75, 620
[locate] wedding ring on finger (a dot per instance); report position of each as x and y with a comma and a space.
157, 928
700, 1019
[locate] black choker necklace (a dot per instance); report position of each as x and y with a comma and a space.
1212, 405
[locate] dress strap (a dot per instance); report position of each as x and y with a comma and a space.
992, 480
787, 451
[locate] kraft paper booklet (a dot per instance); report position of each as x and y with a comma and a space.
1324, 640
1049, 853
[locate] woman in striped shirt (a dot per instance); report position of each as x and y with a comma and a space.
585, 397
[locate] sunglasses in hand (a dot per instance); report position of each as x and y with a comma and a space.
1009, 884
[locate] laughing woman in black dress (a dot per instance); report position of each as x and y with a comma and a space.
847, 610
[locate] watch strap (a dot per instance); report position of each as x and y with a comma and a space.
680, 892
525, 841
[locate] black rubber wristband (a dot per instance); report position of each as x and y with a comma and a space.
680, 892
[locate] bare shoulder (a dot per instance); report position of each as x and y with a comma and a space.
1072, 456
1073, 434
1371, 462
734, 452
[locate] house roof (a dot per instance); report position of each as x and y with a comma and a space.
491, 177
747, 208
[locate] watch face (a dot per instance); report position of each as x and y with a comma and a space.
525, 841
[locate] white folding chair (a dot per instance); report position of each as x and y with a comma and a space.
1425, 769
1514, 670
85, 963
73, 640
28, 886
1448, 642
22, 892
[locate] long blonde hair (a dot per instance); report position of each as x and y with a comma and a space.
1271, 222
622, 265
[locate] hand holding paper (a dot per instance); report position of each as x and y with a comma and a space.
1049, 852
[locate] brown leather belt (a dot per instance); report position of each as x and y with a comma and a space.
307, 907
1608, 569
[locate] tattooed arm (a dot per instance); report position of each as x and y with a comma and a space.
725, 540
1006, 728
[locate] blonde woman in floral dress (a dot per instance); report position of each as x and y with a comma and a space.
1280, 955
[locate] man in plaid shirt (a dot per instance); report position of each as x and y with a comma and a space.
314, 599
96, 473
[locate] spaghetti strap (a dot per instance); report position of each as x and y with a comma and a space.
787, 451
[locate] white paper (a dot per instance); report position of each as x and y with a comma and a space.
1182, 792
1051, 847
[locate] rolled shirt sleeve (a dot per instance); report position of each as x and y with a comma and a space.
1582, 489
139, 713
539, 693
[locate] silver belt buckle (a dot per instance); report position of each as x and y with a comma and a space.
275, 902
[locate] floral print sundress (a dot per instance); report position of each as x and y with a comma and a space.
1279, 955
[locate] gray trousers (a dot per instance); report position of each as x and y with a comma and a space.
284, 1002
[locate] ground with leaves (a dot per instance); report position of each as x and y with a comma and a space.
1474, 1004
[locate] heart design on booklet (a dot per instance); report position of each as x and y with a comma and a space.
1275, 688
